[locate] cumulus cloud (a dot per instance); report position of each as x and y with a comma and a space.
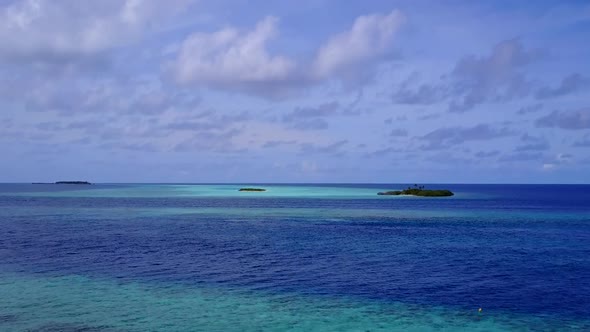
369, 38
240, 60
574, 120
232, 57
58, 31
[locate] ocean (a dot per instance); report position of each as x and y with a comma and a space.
316, 257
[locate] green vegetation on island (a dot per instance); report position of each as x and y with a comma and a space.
418, 191
252, 189
63, 182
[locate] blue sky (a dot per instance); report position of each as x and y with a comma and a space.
295, 91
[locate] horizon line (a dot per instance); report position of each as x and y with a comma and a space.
310, 183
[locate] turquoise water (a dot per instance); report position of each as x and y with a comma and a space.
321, 258
74, 302
219, 191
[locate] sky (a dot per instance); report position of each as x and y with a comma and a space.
373, 91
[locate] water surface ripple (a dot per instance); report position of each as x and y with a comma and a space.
520, 252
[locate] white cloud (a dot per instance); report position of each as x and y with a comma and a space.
561, 159
231, 57
371, 36
55, 30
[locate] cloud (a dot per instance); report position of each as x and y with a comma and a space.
231, 58
541, 146
87, 124
274, 144
335, 148
58, 31
571, 120
529, 109
56, 96
71, 94
307, 166
564, 157
313, 118
145, 147
175, 127
156, 100
310, 124
487, 154
425, 94
521, 157
570, 84
561, 159
532, 144
398, 132
369, 38
583, 142
445, 137
449, 158
325, 109
422, 94
383, 152
430, 116
49, 126
495, 77
237, 60
205, 121
218, 141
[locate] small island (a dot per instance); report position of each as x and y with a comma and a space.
73, 182
252, 189
63, 182
418, 191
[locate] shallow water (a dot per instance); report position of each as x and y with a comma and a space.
207, 257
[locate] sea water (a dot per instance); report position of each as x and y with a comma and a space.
297, 257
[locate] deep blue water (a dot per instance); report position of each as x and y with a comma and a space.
511, 249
